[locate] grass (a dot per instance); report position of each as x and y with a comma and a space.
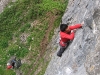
16, 19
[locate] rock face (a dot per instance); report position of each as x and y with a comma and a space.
3, 3
82, 57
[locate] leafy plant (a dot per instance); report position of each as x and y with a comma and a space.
16, 19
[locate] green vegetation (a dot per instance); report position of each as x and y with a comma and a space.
23, 25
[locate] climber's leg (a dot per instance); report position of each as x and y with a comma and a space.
59, 53
62, 49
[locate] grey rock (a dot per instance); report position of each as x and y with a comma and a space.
82, 57
3, 4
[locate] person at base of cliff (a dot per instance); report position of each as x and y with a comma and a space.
13, 63
66, 35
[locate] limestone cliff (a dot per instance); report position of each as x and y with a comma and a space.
3, 3
82, 57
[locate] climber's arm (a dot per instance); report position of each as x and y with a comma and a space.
75, 26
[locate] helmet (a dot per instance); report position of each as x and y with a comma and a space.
9, 66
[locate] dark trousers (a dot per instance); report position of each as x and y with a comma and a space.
62, 49
59, 53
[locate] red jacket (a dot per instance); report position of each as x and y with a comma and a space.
65, 37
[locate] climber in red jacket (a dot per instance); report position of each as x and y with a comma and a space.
67, 33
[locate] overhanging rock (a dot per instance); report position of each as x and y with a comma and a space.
82, 57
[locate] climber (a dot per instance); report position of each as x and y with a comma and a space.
66, 35
13, 63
